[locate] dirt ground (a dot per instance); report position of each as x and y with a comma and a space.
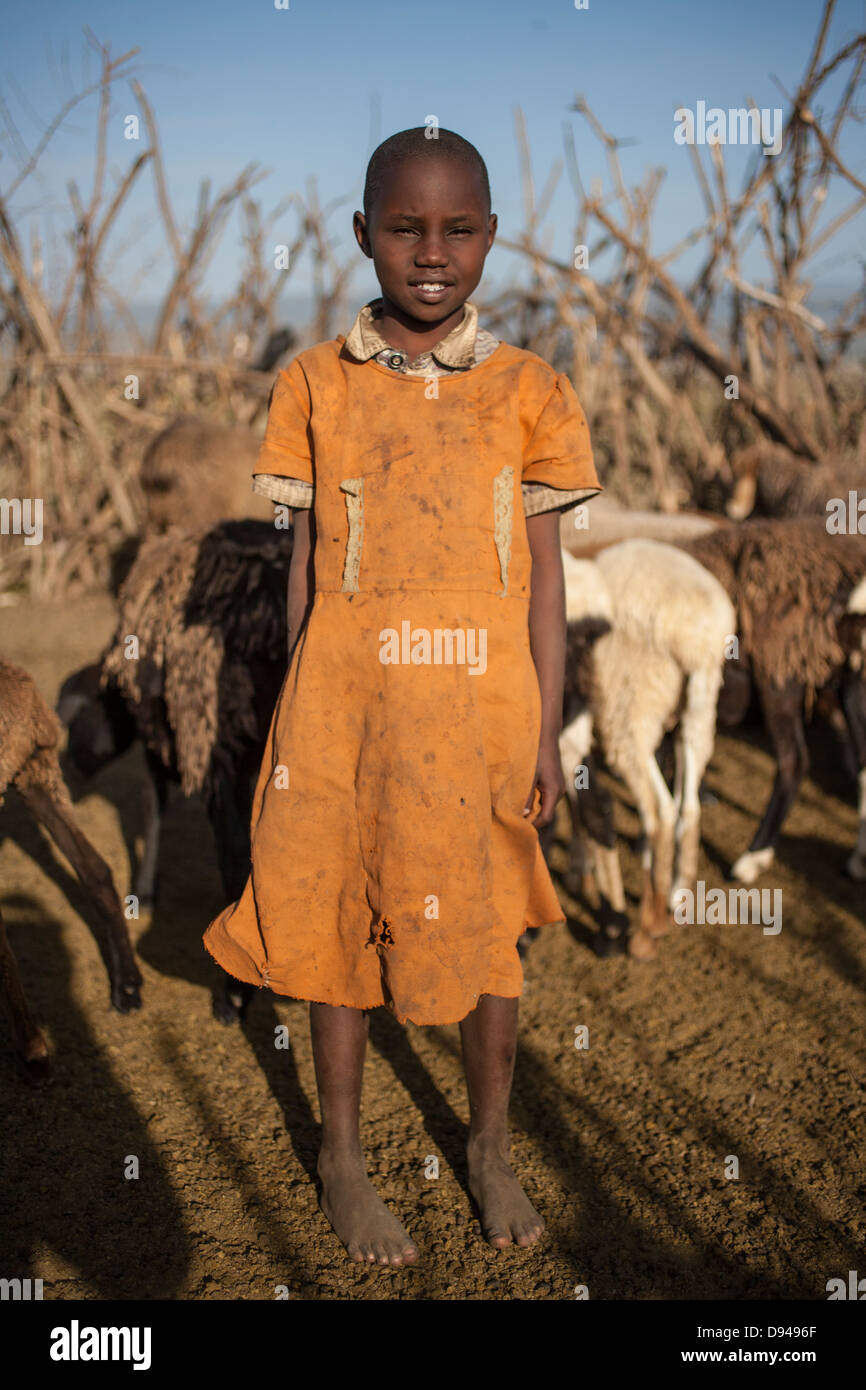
733, 1043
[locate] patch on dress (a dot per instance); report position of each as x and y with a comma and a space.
503, 503
354, 490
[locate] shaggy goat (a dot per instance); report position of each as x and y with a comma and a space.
771, 482
792, 585
197, 472
194, 669
647, 636
29, 737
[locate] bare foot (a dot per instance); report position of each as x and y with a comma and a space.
507, 1215
369, 1231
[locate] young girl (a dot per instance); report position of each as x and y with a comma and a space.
394, 860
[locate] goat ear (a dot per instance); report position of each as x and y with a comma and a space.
583, 633
598, 628
76, 691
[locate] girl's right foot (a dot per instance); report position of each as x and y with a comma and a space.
369, 1231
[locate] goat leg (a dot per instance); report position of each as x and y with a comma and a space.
591, 811
783, 716
29, 1038
658, 815
229, 814
593, 814
854, 707
95, 877
695, 739
153, 799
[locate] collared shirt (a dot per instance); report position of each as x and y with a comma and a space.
464, 347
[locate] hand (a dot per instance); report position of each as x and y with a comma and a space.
549, 781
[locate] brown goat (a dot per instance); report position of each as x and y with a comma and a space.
771, 482
799, 644
198, 472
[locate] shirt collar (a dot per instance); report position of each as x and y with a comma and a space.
456, 349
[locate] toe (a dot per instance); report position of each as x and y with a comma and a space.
498, 1237
528, 1234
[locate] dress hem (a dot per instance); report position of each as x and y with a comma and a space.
254, 975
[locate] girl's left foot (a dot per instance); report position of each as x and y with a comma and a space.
507, 1215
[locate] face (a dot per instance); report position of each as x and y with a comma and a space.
428, 235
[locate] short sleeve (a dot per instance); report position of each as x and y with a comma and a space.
284, 468
559, 454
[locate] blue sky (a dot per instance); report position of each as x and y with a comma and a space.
296, 90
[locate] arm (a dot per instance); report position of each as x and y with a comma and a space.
547, 643
301, 574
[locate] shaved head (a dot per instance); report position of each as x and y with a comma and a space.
408, 145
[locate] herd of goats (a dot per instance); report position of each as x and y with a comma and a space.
676, 626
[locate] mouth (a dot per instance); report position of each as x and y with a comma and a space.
431, 291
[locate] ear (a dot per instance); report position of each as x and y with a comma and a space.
362, 234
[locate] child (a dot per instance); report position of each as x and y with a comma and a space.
393, 858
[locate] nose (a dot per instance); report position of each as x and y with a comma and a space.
431, 252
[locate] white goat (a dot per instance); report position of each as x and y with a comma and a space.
658, 667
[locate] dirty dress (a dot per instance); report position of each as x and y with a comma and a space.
390, 861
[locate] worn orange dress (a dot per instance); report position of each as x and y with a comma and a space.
391, 863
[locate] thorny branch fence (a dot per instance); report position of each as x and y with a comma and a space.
650, 356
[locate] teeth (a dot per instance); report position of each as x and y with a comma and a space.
431, 287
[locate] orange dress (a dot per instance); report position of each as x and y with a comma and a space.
391, 863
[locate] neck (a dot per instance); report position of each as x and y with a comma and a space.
413, 335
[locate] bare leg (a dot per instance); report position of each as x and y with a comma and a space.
489, 1036
369, 1231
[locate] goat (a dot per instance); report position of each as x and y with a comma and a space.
208, 612
791, 583
647, 636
